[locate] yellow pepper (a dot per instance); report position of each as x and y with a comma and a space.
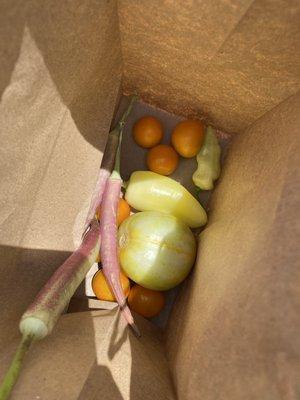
148, 191
208, 160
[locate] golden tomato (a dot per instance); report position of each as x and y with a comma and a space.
102, 289
146, 302
123, 211
162, 159
187, 137
147, 132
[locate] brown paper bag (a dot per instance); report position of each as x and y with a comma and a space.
234, 331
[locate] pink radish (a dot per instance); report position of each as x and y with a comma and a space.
41, 316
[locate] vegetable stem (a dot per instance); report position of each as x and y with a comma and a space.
15, 367
116, 174
107, 164
116, 171
124, 117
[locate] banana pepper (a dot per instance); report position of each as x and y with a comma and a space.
208, 160
148, 191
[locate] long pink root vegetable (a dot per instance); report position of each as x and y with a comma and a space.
41, 316
109, 230
109, 256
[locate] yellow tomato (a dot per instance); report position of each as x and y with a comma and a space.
187, 137
147, 132
123, 211
146, 302
162, 159
102, 289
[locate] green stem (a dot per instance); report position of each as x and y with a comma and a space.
13, 372
120, 125
122, 121
116, 172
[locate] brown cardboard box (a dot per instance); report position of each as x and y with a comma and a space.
234, 330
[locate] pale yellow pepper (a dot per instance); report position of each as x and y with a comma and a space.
148, 191
208, 160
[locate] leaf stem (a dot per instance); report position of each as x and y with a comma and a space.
15, 367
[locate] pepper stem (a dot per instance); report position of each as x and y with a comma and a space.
13, 372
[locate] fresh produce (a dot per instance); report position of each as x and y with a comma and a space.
162, 159
156, 250
123, 211
146, 302
108, 231
208, 160
147, 132
107, 165
103, 291
122, 214
41, 316
187, 137
148, 191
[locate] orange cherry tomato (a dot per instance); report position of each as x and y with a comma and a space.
102, 289
162, 159
147, 132
187, 137
146, 302
123, 211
